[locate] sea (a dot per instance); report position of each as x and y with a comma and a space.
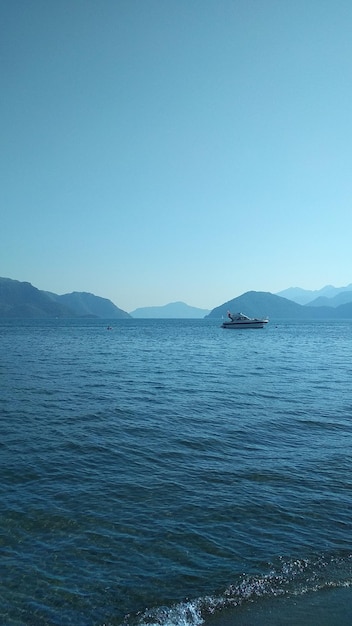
173, 473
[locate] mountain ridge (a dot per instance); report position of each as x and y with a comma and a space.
84, 304
266, 304
23, 300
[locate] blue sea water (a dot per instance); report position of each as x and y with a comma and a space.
171, 472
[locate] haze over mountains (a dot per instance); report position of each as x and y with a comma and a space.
328, 293
22, 300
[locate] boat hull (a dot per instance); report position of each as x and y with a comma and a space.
251, 324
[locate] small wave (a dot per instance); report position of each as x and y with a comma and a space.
182, 614
295, 577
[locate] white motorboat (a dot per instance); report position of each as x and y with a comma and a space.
239, 320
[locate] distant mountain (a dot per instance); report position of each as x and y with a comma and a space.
344, 311
266, 304
173, 310
305, 296
89, 305
342, 298
22, 300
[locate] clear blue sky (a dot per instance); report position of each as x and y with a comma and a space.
163, 150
